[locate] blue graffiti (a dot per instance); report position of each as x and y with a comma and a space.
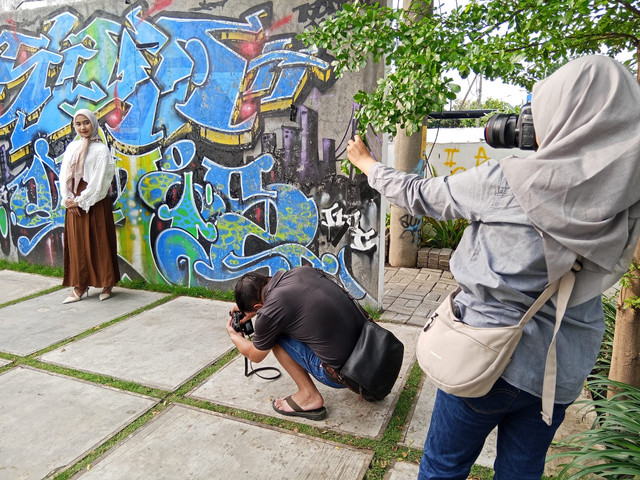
35, 214
150, 81
172, 92
227, 225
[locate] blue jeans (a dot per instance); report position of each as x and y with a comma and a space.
459, 427
304, 356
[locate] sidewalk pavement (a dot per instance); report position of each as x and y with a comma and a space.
143, 385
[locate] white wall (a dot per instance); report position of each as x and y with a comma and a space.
454, 150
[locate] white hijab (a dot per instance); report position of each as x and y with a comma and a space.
76, 164
581, 188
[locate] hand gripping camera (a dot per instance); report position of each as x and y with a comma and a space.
246, 328
505, 130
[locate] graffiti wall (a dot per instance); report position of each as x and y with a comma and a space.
227, 133
454, 150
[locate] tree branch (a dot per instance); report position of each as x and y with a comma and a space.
603, 36
629, 7
580, 38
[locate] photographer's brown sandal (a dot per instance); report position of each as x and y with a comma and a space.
316, 414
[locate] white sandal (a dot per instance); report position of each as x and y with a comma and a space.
104, 295
74, 297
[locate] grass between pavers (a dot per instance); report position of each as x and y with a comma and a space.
178, 290
386, 449
27, 267
33, 295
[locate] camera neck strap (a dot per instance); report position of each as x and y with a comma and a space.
249, 370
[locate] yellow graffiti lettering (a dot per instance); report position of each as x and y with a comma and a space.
481, 157
450, 153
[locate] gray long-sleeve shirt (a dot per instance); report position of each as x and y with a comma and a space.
501, 269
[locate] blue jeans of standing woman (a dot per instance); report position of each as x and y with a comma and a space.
459, 427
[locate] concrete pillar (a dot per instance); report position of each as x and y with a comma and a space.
404, 230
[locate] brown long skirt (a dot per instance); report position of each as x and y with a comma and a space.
90, 248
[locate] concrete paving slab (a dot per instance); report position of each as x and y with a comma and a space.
184, 442
29, 326
402, 471
16, 285
48, 422
420, 418
346, 413
160, 348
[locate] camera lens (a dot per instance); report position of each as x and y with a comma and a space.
500, 131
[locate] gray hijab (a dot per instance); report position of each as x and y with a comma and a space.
581, 188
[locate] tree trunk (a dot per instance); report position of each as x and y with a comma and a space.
625, 359
404, 228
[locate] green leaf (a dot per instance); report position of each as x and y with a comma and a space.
518, 42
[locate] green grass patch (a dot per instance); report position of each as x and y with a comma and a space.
387, 450
94, 378
23, 266
177, 290
373, 312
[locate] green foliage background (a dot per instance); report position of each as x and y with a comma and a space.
518, 41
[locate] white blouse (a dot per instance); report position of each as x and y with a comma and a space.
99, 169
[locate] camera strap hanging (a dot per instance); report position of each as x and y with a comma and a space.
248, 371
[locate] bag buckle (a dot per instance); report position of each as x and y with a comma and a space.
429, 322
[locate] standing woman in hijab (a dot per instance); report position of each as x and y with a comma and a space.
530, 218
90, 249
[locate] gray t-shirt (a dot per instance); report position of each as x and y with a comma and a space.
501, 269
307, 306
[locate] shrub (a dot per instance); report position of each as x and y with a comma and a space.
611, 448
442, 233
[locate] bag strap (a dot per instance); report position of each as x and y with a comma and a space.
564, 287
540, 301
330, 370
360, 307
551, 366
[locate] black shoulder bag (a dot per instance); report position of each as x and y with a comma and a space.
374, 364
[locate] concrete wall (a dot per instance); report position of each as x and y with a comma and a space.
227, 133
454, 150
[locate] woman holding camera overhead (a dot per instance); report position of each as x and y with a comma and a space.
90, 249
575, 198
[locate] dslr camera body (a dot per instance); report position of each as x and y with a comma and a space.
507, 130
245, 328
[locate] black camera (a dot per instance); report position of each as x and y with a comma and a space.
505, 130
246, 328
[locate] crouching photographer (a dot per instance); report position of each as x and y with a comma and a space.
315, 329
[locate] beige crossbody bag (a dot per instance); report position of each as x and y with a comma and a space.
466, 361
